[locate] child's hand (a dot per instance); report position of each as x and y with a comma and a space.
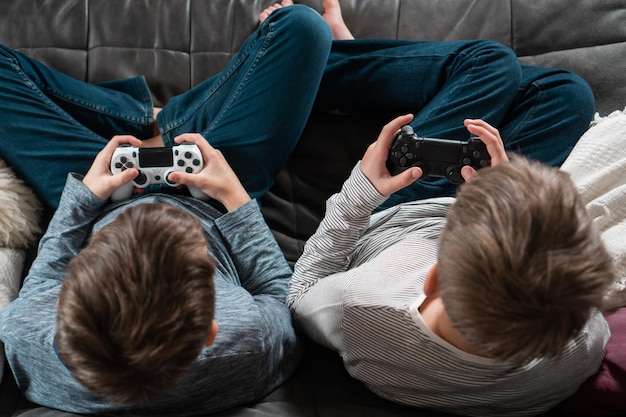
373, 164
217, 179
99, 178
490, 136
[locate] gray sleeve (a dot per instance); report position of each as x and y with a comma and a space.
261, 266
66, 234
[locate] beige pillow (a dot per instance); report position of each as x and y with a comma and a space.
20, 213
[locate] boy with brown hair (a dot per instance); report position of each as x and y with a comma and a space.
122, 304
110, 337
120, 309
484, 304
521, 266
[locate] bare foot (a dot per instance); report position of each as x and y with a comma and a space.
332, 15
265, 13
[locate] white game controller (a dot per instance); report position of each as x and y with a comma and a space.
155, 165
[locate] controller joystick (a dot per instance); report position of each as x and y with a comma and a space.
155, 165
436, 157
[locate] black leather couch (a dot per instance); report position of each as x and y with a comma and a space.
178, 43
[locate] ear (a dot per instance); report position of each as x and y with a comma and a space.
212, 334
431, 285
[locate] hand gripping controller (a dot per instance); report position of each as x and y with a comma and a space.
436, 157
155, 165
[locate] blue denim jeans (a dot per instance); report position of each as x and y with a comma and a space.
254, 111
540, 112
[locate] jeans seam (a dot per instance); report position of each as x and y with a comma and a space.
234, 67
529, 114
267, 39
36, 88
86, 105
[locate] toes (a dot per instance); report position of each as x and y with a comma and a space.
265, 13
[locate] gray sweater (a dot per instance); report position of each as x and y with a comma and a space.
255, 349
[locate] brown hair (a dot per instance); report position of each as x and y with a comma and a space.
137, 304
521, 263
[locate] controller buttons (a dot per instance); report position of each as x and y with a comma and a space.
477, 154
124, 164
188, 155
189, 170
484, 162
141, 179
454, 176
196, 162
180, 163
467, 161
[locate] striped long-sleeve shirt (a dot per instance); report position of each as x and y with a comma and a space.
358, 287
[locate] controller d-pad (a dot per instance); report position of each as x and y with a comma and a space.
123, 164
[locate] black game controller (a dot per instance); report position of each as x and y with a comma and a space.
436, 157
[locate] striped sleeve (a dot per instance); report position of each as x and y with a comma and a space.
328, 250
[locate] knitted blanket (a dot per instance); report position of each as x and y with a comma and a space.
597, 165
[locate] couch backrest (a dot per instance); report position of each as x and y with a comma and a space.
178, 43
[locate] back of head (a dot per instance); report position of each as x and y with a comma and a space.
137, 304
521, 264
